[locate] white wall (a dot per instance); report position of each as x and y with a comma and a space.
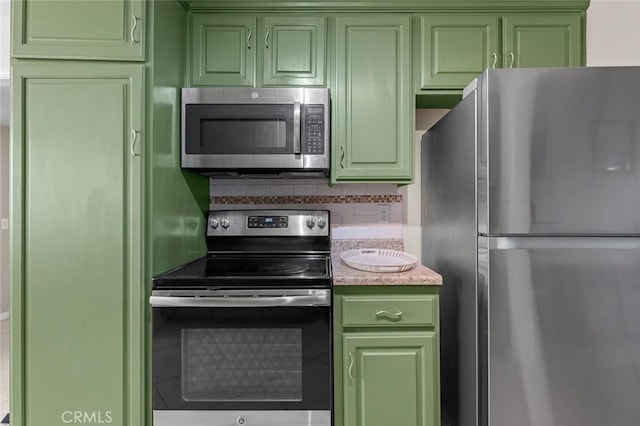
5, 21
613, 32
4, 213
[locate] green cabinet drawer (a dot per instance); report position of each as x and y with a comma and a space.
383, 311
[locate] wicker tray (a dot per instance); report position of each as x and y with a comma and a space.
378, 260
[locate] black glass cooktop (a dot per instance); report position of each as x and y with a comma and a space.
250, 271
274, 266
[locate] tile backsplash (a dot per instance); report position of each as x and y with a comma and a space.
357, 210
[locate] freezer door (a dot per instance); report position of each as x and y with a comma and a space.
562, 147
563, 334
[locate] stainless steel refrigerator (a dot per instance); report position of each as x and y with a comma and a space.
531, 213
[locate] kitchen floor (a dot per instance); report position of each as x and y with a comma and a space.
4, 368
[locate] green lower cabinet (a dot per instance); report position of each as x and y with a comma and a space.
390, 379
373, 103
76, 285
386, 356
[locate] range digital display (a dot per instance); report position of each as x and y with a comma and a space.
268, 222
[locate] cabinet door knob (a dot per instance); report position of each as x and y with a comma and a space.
513, 59
341, 157
390, 315
134, 25
248, 38
266, 37
495, 60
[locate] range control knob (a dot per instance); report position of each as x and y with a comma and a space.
241, 421
224, 223
213, 222
311, 223
322, 223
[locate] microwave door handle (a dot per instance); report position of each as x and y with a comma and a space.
296, 128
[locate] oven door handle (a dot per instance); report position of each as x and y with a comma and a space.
238, 301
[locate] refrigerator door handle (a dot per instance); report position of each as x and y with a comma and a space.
561, 242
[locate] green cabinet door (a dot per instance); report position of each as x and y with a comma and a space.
390, 379
76, 284
542, 40
456, 48
293, 51
103, 29
223, 50
373, 103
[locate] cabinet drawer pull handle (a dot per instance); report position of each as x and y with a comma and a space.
350, 371
390, 315
513, 59
495, 60
341, 157
134, 25
266, 37
249, 38
134, 138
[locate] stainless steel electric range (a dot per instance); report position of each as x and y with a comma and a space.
242, 336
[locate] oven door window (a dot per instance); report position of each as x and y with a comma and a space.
239, 129
247, 364
271, 358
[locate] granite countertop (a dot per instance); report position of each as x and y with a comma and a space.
345, 275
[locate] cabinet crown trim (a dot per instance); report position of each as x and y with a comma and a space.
385, 5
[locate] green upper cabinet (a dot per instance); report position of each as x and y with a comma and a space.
373, 105
76, 284
293, 51
235, 50
455, 48
543, 40
223, 50
103, 30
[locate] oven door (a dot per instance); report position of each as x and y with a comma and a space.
242, 136
242, 357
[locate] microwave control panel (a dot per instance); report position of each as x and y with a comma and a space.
313, 130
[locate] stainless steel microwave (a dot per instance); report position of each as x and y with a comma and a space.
275, 132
